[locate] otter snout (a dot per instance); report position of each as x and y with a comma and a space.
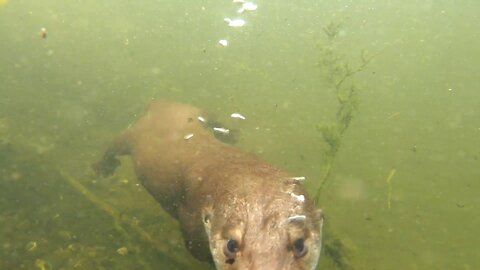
273, 233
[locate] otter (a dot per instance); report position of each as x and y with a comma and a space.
234, 209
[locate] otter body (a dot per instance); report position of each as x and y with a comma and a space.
233, 208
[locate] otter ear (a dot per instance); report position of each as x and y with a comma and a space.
319, 215
207, 215
207, 219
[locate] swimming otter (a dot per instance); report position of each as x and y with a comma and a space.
233, 208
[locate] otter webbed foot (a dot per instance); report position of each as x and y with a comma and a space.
106, 166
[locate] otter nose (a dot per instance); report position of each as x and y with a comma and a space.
265, 261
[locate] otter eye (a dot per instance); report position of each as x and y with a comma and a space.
299, 248
230, 250
232, 246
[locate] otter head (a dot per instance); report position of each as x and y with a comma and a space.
269, 229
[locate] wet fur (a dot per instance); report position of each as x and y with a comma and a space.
218, 192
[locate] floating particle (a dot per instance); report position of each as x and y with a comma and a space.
31, 246
297, 218
247, 6
188, 136
235, 22
221, 130
223, 42
299, 198
43, 33
202, 119
237, 115
122, 251
299, 178
42, 264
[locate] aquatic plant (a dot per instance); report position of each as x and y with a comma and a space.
338, 73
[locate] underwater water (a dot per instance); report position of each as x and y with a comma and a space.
377, 102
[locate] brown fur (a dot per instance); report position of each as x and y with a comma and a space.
219, 193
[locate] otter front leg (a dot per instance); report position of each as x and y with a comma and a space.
119, 147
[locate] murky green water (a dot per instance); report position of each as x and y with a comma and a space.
66, 90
